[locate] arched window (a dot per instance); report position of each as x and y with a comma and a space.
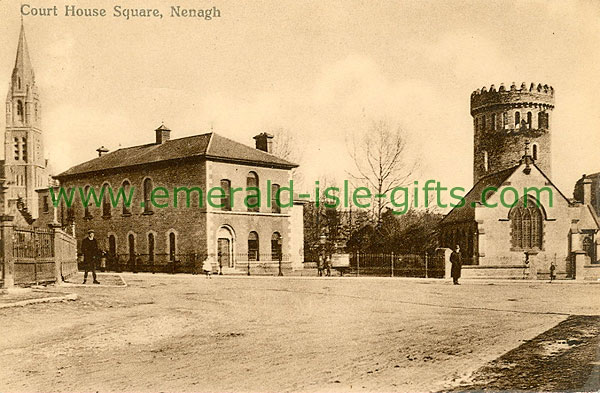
172, 246
252, 192
526, 224
517, 119
276, 246
151, 247
275, 202
226, 201
494, 120
106, 210
19, 82
131, 244
534, 151
147, 194
253, 247
542, 120
529, 120
112, 246
126, 187
86, 206
20, 110
485, 161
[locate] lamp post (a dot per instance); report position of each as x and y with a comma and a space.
279, 255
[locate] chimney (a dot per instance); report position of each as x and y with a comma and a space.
163, 134
587, 190
264, 142
101, 150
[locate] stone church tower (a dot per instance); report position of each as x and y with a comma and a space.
24, 163
504, 120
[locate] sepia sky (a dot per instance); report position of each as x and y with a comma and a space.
321, 69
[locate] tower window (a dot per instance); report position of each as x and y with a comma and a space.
24, 149
494, 121
20, 110
534, 151
529, 120
483, 127
517, 119
542, 120
485, 160
19, 83
504, 120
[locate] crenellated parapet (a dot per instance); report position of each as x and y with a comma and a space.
534, 96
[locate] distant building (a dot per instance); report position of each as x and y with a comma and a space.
24, 168
147, 237
543, 229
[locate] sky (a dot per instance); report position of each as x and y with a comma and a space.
323, 70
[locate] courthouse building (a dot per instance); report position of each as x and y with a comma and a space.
146, 237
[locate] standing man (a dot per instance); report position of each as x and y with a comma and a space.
456, 261
90, 251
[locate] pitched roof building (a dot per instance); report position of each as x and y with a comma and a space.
192, 198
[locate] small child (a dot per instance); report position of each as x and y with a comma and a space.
207, 267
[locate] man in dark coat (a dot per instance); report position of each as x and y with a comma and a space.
90, 251
456, 261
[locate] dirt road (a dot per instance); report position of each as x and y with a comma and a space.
187, 333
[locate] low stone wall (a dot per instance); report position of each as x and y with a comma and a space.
515, 272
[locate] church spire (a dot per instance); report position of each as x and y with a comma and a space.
23, 75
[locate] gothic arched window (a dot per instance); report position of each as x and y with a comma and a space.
527, 225
20, 110
517, 118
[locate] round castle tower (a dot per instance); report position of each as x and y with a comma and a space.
503, 120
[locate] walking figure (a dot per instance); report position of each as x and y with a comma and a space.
90, 251
456, 261
207, 267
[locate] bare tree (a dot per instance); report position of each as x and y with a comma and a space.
381, 163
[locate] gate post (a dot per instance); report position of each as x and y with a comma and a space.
6, 233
